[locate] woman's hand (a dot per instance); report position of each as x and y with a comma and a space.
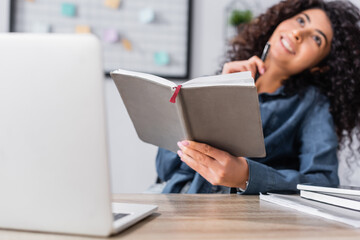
216, 166
253, 64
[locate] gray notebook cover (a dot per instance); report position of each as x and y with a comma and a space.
224, 115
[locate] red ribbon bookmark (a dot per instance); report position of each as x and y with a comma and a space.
172, 99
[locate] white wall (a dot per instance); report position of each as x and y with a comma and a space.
132, 161
4, 15
208, 38
349, 165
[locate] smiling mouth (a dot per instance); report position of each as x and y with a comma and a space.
287, 45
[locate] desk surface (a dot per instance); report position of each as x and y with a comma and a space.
212, 216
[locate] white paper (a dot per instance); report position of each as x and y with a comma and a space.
232, 79
327, 211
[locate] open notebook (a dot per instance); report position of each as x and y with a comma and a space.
222, 111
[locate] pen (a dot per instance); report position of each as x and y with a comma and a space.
263, 57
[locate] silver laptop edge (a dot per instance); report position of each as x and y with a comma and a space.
54, 173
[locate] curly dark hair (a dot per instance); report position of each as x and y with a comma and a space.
339, 79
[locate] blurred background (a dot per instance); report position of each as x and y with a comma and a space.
176, 39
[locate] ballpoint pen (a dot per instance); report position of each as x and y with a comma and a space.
263, 57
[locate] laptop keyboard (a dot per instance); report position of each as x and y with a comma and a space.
117, 216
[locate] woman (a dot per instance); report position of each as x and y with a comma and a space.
308, 93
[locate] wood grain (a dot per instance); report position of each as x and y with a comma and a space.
213, 216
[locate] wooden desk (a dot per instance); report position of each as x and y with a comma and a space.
216, 217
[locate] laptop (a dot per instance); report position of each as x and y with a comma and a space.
54, 167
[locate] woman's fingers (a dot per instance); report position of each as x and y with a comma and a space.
199, 157
253, 64
201, 163
232, 67
197, 165
260, 65
211, 152
216, 166
252, 68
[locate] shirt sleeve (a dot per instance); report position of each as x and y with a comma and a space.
317, 157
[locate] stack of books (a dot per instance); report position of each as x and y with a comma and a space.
342, 196
340, 204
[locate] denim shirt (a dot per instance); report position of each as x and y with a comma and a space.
301, 147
